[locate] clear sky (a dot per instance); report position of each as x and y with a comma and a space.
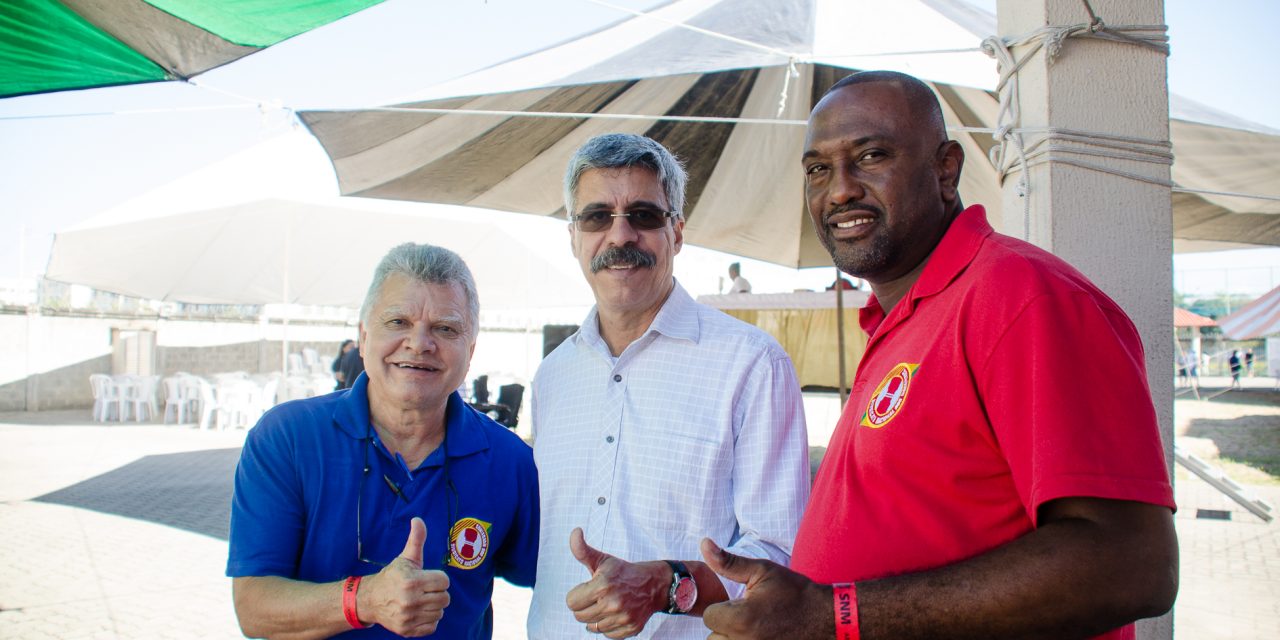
58, 171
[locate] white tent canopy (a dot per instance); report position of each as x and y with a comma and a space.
302, 252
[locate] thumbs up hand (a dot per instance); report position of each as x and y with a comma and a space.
778, 603
404, 598
413, 546
621, 596
589, 556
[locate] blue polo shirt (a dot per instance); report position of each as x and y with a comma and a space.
294, 510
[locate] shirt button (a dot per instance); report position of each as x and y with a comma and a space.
609, 439
600, 500
617, 377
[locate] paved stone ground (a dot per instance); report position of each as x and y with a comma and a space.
1230, 580
119, 532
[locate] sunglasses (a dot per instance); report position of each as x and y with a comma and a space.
641, 218
395, 488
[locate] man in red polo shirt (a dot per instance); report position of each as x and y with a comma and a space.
998, 470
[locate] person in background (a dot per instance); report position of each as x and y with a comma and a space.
660, 421
336, 367
350, 366
737, 283
982, 481
387, 510
1248, 363
1235, 363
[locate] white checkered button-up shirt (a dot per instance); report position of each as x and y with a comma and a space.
696, 430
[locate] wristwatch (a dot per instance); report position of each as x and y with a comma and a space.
684, 591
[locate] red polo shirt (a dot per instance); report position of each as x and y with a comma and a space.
1003, 379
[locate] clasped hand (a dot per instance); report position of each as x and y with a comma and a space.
778, 602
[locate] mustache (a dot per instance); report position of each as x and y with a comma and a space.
627, 256
852, 206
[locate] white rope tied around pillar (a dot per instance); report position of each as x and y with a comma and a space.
1056, 140
1009, 117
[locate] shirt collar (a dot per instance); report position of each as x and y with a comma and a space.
947, 261
678, 317
465, 430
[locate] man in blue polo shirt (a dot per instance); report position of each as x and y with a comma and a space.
387, 509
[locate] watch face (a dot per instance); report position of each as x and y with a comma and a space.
686, 594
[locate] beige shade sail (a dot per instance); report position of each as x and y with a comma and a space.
767, 63
727, 85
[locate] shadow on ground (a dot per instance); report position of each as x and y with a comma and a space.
54, 418
1252, 397
190, 491
1253, 440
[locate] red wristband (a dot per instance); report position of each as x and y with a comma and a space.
349, 589
845, 598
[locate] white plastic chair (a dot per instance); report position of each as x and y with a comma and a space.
208, 402
175, 400
320, 384
142, 395
263, 399
311, 360
123, 388
294, 388
104, 396
296, 365
189, 390
239, 403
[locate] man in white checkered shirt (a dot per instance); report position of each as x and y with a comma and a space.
660, 422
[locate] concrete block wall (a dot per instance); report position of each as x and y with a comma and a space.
204, 361
260, 356
46, 358
66, 388
45, 361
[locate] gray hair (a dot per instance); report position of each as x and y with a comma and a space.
626, 150
428, 264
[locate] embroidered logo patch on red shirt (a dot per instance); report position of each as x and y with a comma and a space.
890, 396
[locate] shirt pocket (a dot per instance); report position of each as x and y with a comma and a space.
681, 481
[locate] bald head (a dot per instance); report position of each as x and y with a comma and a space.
926, 113
881, 178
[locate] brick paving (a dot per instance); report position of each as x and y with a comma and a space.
119, 532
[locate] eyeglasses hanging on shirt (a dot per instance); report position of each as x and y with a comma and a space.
451, 497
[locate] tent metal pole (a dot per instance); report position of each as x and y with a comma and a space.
284, 314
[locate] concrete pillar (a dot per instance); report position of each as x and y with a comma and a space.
1116, 230
32, 401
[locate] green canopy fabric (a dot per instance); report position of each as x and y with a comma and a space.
58, 45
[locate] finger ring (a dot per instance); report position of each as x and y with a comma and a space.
595, 627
